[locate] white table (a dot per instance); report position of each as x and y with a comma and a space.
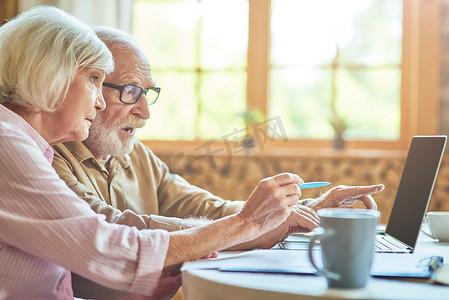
201, 284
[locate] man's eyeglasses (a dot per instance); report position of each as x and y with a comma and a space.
131, 93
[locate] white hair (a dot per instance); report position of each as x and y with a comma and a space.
113, 37
41, 51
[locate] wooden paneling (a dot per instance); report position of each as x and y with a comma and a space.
235, 177
8, 9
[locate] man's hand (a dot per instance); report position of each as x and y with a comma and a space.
269, 206
344, 196
301, 219
271, 202
304, 220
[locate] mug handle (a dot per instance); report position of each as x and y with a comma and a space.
319, 233
429, 234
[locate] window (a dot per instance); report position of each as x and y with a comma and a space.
371, 65
335, 67
198, 51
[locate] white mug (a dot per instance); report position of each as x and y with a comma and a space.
347, 245
438, 224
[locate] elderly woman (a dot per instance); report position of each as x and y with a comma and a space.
51, 72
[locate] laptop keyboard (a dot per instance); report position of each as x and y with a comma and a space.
382, 245
387, 244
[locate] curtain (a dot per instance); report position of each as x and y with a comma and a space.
114, 13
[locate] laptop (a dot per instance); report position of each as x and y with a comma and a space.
413, 195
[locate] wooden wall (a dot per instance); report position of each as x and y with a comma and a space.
8, 9
235, 177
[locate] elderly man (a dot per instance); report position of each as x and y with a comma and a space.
122, 179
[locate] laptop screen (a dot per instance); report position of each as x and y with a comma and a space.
415, 188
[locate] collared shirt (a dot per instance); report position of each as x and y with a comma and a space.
46, 230
136, 189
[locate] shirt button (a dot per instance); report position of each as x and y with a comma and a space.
68, 291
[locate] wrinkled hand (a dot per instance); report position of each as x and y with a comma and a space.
301, 219
344, 196
271, 202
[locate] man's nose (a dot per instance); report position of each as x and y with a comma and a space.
141, 108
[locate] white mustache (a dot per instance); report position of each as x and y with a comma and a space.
132, 122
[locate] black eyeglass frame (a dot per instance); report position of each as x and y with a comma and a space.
121, 88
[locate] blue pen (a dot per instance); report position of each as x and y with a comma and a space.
308, 185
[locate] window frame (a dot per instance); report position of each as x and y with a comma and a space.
420, 76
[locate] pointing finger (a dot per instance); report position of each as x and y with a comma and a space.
358, 191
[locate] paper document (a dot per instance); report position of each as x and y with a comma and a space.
297, 262
271, 259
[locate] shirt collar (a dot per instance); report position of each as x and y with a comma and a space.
82, 153
11, 117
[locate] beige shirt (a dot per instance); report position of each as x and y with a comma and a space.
136, 189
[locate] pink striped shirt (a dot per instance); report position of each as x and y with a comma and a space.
47, 231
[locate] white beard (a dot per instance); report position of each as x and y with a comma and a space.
103, 140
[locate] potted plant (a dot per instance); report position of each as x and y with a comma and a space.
251, 117
339, 124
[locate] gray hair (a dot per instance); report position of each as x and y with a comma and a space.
115, 38
41, 51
